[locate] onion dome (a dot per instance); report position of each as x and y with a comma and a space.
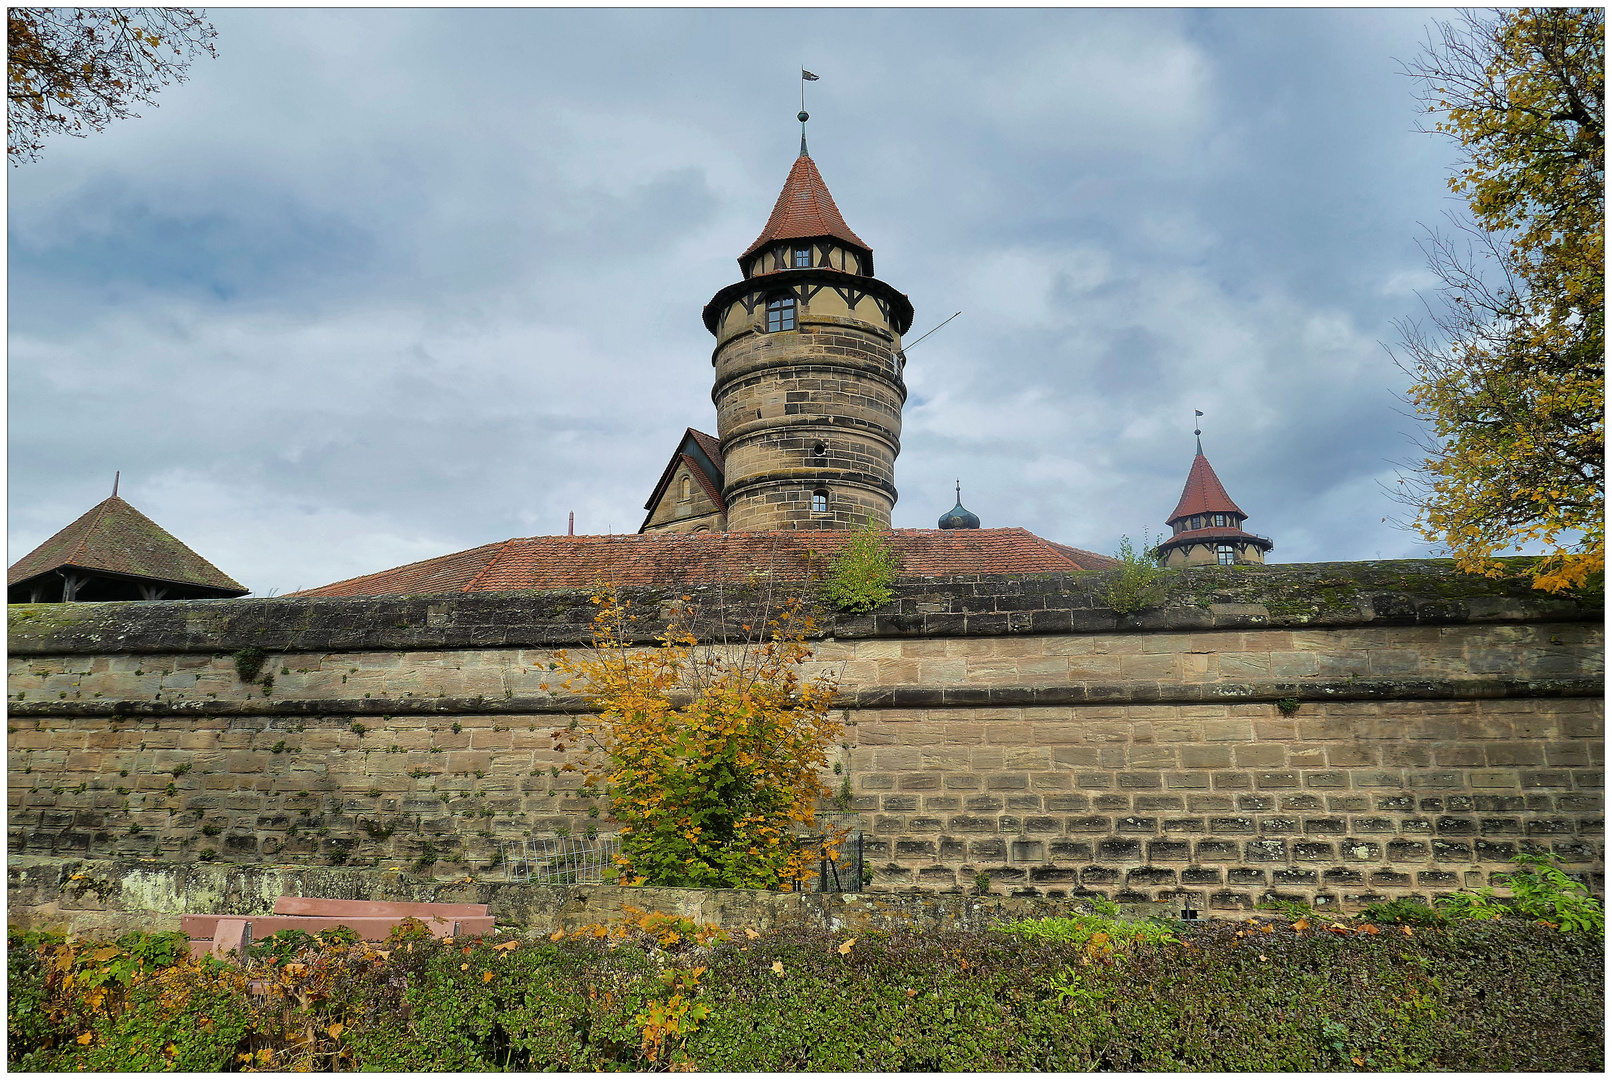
957, 517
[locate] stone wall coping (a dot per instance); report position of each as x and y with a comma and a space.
872, 697
1284, 596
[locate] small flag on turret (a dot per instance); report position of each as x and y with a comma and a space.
808, 76
1195, 412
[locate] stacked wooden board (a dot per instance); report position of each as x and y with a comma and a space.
220, 935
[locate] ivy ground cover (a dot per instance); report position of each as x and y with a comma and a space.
655, 992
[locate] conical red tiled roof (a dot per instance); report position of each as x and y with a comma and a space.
804, 209
115, 537
675, 560
1204, 494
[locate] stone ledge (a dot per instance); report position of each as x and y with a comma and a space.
1308, 596
874, 697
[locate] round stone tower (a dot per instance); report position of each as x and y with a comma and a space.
808, 371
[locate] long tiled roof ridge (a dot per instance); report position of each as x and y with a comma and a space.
804, 209
112, 536
1203, 493
670, 559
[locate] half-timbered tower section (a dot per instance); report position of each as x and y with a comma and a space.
808, 366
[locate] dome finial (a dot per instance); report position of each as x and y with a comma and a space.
957, 517
1198, 431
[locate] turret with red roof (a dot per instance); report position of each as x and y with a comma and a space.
1206, 526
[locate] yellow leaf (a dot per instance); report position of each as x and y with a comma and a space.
464, 967
84, 1039
778, 968
845, 950
103, 955
335, 1030
557, 935
751, 934
486, 976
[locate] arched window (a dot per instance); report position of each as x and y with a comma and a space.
685, 493
820, 501
781, 314
1226, 554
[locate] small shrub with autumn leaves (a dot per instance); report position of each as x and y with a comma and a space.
712, 756
655, 992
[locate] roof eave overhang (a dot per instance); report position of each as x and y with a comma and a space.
224, 592
900, 306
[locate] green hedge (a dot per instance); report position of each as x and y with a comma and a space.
1223, 997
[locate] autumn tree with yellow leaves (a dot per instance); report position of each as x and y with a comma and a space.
1510, 379
70, 71
710, 755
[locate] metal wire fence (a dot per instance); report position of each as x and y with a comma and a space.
561, 860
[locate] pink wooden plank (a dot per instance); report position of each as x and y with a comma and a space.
370, 929
313, 905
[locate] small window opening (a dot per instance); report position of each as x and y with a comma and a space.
803, 258
781, 314
1226, 554
820, 501
685, 489
818, 449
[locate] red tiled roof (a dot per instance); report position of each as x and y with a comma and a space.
115, 537
804, 209
673, 559
1204, 493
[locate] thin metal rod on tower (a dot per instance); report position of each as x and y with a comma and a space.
115, 478
904, 348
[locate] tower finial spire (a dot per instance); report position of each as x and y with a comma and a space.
803, 115
1197, 431
115, 478
959, 491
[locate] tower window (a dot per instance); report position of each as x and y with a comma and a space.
1225, 554
1220, 520
781, 314
818, 449
803, 258
820, 501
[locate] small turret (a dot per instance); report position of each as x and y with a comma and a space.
1207, 527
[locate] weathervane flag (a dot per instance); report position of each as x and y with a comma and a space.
808, 76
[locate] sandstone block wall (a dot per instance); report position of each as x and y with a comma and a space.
1328, 733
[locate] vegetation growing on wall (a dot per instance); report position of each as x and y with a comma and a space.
860, 576
711, 756
1137, 584
658, 992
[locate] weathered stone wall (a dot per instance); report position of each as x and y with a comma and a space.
110, 898
1327, 732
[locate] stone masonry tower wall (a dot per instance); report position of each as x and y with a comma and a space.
808, 387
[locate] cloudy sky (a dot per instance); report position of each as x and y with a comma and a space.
378, 285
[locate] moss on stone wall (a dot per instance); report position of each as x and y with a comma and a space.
1296, 595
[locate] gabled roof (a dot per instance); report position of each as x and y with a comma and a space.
679, 559
115, 537
804, 209
1204, 494
695, 444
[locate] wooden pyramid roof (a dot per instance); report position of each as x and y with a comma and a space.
115, 538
